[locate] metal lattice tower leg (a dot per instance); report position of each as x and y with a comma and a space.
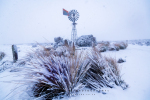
74, 33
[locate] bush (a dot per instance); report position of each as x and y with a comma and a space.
121, 45
54, 75
57, 75
103, 46
104, 43
86, 41
104, 72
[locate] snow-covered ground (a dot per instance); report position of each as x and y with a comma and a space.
135, 72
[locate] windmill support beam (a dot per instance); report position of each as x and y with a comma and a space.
74, 32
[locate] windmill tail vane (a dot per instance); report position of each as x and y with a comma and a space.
65, 12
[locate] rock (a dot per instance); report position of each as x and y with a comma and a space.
85, 40
120, 60
58, 40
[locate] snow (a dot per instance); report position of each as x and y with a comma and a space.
135, 72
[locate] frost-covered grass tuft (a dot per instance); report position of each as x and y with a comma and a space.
121, 45
104, 43
65, 71
104, 46
55, 75
104, 72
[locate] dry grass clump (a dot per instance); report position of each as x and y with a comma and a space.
46, 52
121, 45
114, 66
102, 73
57, 75
2, 55
103, 46
53, 75
104, 43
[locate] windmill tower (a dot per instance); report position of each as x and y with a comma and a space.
73, 16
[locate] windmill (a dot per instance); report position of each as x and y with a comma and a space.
73, 16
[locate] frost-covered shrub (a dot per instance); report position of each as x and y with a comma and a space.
66, 50
58, 39
101, 47
85, 41
53, 75
2, 55
57, 75
111, 48
104, 72
121, 45
104, 43
147, 43
60, 42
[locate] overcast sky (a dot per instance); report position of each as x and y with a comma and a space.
26, 21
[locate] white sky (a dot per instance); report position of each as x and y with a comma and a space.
26, 21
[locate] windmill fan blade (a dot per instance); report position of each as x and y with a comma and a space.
73, 15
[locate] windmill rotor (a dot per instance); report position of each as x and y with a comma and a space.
73, 15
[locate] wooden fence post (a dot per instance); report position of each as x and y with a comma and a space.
15, 53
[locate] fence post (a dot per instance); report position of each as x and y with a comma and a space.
15, 53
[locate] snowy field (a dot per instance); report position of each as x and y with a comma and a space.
135, 71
